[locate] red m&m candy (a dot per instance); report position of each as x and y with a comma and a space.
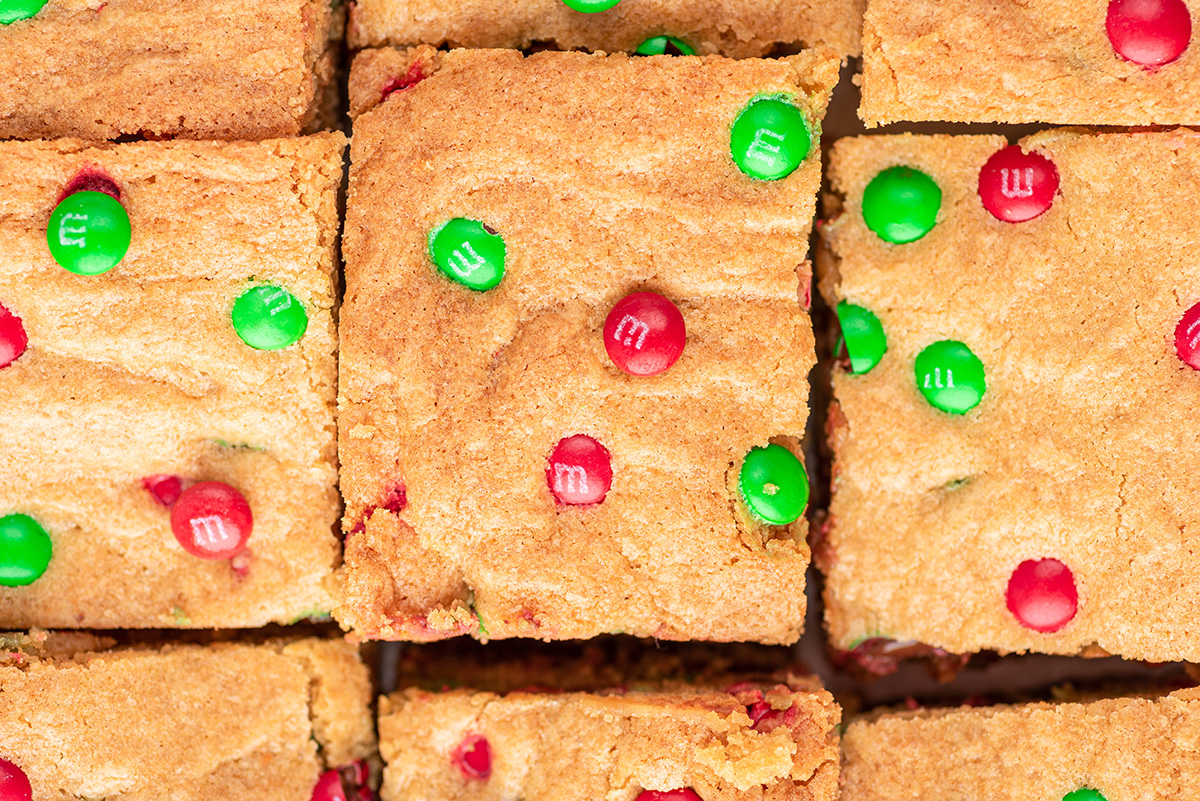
1016, 186
1041, 595
347, 783
1149, 32
14, 784
1187, 338
473, 756
644, 334
579, 471
13, 340
685, 794
212, 520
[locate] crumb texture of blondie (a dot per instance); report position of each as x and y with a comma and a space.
139, 372
1121, 747
613, 744
1081, 450
198, 70
602, 174
182, 721
734, 29
1036, 61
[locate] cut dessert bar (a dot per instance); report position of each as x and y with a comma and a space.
735, 29
181, 721
1077, 62
1013, 452
669, 743
155, 413
199, 70
1105, 750
511, 465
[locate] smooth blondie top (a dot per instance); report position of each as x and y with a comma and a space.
1080, 450
1121, 748
746, 742
735, 29
139, 372
1036, 61
200, 70
184, 722
602, 175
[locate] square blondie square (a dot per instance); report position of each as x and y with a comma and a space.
132, 400
1073, 62
1101, 750
734, 29
198, 70
480, 430
80, 719
1013, 460
670, 741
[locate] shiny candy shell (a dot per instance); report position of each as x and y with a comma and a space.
579, 471
212, 520
644, 334
1016, 186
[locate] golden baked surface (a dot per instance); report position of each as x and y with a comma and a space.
139, 372
1079, 451
602, 175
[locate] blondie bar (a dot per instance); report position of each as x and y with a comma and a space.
512, 465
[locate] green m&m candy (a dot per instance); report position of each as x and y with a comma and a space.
665, 45
88, 233
268, 317
901, 204
13, 10
468, 253
950, 376
774, 485
590, 6
863, 334
1084, 794
25, 550
770, 139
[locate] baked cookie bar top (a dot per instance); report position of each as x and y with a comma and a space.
1012, 469
187, 722
200, 70
601, 177
679, 744
735, 29
205, 355
1076, 62
1100, 751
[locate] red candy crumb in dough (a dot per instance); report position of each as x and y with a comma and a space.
212, 520
165, 489
473, 756
1149, 32
579, 471
644, 334
13, 339
415, 74
1016, 186
686, 794
92, 181
1042, 595
1187, 338
14, 784
347, 783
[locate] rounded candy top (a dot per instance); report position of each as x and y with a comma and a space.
1148, 32
950, 376
590, 6
1041, 595
1084, 794
212, 520
1187, 337
1016, 186
268, 317
579, 471
901, 205
14, 784
473, 756
644, 334
665, 45
864, 337
684, 794
774, 485
89, 232
25, 550
13, 340
13, 10
770, 139
468, 253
